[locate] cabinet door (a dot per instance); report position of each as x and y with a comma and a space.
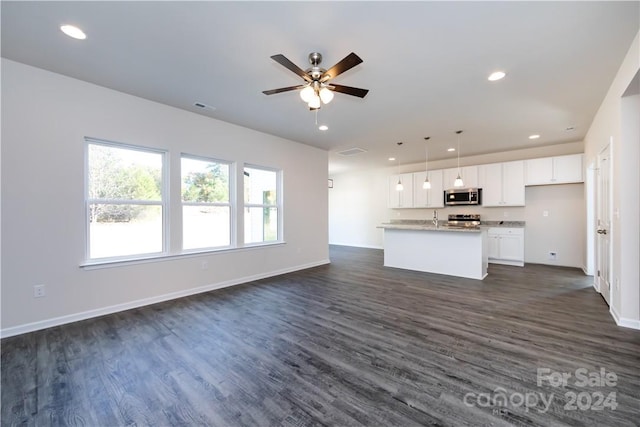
406, 195
567, 169
511, 247
491, 184
436, 196
539, 171
420, 195
512, 183
493, 245
394, 195
470, 176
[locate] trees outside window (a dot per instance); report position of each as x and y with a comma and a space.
124, 202
206, 207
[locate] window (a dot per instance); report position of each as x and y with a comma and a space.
206, 207
262, 205
124, 202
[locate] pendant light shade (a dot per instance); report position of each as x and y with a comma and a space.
426, 184
399, 186
458, 182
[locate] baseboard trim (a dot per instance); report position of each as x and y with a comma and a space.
624, 322
62, 320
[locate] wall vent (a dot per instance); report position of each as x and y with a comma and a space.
352, 151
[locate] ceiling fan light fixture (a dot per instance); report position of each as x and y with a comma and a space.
314, 102
307, 93
326, 95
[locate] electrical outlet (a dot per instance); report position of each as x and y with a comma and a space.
553, 255
506, 214
545, 213
39, 291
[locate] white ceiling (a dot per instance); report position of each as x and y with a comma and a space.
425, 64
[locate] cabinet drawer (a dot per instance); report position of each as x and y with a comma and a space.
501, 231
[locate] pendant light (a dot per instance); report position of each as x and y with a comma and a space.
426, 184
458, 182
399, 186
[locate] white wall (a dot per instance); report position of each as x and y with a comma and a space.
45, 117
358, 203
615, 125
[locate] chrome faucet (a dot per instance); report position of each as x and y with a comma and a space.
435, 218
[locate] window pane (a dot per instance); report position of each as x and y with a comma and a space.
124, 174
120, 230
260, 225
206, 226
260, 186
204, 181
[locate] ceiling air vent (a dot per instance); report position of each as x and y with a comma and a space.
204, 106
352, 151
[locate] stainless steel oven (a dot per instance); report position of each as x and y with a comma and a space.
463, 196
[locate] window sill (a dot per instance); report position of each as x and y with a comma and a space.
99, 264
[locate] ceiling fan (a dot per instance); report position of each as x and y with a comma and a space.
317, 89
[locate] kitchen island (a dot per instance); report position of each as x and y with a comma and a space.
422, 246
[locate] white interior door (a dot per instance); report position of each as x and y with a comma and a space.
603, 225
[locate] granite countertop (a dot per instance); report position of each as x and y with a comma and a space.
510, 224
426, 226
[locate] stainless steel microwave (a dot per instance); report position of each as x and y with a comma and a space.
463, 196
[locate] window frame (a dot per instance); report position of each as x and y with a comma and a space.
163, 203
278, 205
231, 204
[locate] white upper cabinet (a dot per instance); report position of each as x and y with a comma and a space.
502, 184
431, 198
554, 170
404, 198
469, 175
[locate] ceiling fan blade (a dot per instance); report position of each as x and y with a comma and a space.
347, 63
348, 90
282, 60
282, 89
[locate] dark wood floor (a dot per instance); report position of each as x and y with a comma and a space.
351, 343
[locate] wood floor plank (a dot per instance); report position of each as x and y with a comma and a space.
347, 344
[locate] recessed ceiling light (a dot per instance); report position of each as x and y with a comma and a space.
534, 136
451, 149
323, 127
391, 159
496, 75
73, 31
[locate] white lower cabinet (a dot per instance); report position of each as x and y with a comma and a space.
506, 246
